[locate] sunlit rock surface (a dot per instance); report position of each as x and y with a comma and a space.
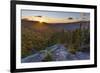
60, 53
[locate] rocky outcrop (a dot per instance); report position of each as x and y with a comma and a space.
57, 53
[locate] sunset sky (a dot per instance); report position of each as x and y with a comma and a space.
53, 17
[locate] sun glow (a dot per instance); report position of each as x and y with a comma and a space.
41, 20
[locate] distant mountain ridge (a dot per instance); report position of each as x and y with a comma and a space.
67, 26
